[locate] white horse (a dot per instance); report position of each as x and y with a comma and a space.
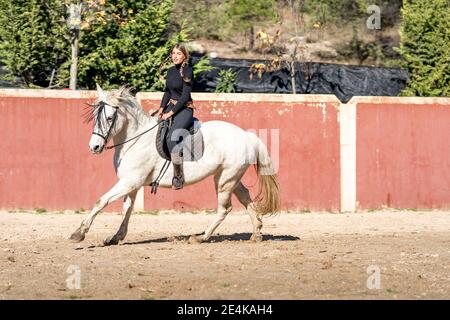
228, 152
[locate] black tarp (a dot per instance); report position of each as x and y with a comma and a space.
345, 81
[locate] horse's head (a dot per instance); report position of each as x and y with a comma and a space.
108, 117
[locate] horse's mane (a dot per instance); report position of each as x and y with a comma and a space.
121, 97
126, 99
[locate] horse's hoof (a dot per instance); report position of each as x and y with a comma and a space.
77, 236
195, 239
110, 241
256, 237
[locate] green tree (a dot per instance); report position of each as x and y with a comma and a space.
121, 42
32, 42
425, 47
242, 15
127, 44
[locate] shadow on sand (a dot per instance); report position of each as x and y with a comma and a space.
213, 239
217, 238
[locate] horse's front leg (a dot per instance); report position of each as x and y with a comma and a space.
121, 188
127, 209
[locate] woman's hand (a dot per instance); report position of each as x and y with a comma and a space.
158, 113
167, 115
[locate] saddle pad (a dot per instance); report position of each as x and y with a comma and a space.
193, 144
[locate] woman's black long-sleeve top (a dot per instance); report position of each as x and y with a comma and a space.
177, 88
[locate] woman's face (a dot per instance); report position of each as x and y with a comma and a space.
177, 56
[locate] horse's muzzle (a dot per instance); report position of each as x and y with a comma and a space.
96, 149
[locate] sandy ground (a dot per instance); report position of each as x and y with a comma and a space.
304, 256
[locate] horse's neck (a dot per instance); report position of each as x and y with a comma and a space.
142, 149
136, 124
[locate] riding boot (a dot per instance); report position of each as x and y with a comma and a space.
178, 175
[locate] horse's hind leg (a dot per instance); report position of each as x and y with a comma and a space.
243, 196
224, 183
120, 189
127, 210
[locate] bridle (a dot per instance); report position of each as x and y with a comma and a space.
113, 122
105, 138
156, 182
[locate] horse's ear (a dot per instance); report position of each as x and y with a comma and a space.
100, 92
121, 90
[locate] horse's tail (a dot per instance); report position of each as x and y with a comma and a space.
267, 202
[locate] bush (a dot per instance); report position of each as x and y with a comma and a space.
203, 65
425, 47
226, 82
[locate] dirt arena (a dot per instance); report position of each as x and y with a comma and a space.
303, 256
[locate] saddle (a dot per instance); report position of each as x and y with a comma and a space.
192, 144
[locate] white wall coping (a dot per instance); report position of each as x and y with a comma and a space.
48, 93
241, 97
248, 97
399, 100
200, 96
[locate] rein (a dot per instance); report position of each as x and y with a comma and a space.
131, 139
119, 144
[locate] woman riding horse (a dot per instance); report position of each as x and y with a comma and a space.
177, 106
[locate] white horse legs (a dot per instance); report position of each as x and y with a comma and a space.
243, 196
120, 189
224, 189
226, 185
127, 209
223, 209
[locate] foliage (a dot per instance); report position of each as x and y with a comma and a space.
226, 82
203, 65
341, 12
425, 47
202, 16
32, 41
219, 19
359, 49
127, 44
335, 15
284, 55
121, 42
325, 12
242, 15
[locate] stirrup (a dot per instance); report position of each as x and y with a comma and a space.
154, 186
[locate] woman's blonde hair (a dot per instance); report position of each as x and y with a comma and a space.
183, 49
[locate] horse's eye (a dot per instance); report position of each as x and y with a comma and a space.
109, 119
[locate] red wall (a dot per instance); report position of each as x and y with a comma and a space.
308, 168
45, 159
403, 153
